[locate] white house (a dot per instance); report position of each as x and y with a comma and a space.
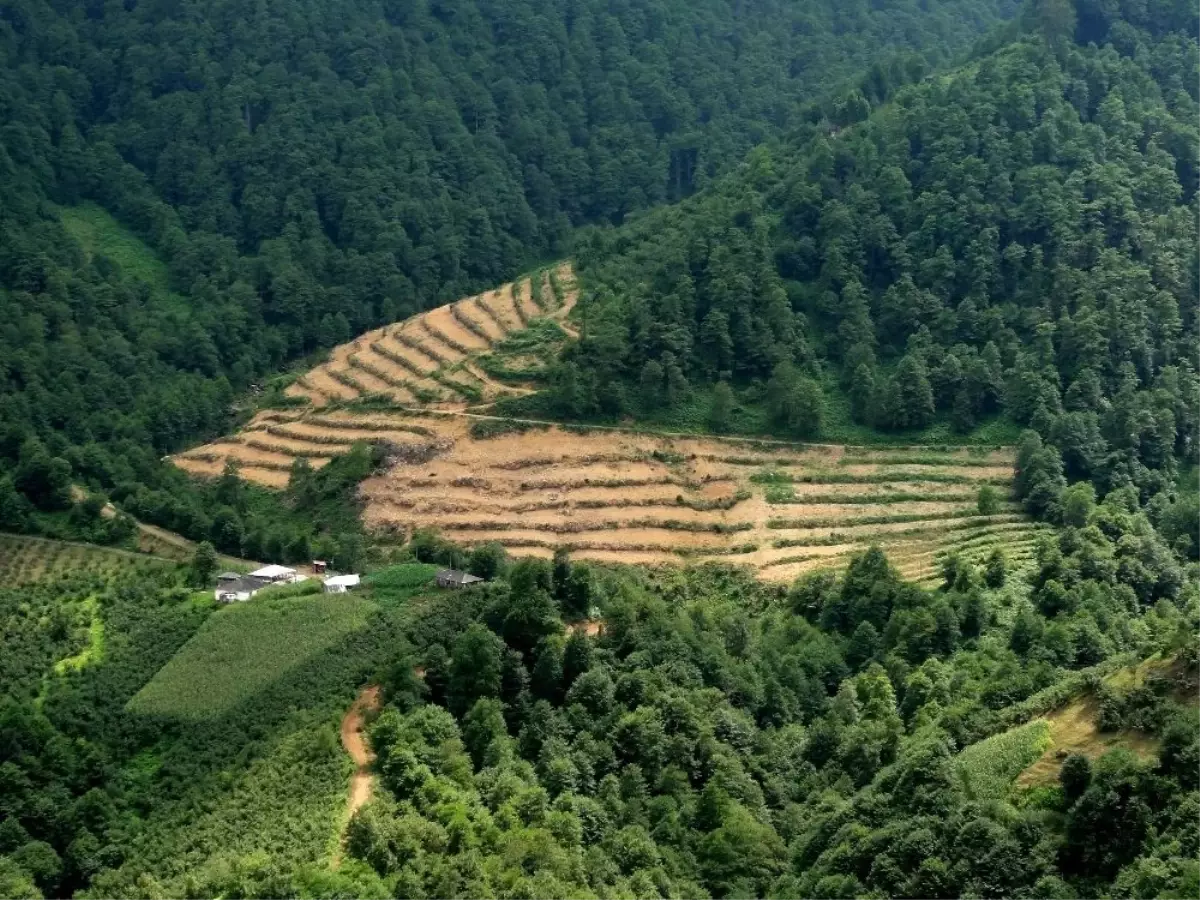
339, 584
233, 588
278, 574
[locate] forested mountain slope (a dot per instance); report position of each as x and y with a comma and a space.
1017, 236
307, 171
712, 736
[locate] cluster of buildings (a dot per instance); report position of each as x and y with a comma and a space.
234, 588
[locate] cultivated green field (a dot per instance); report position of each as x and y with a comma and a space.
988, 768
244, 648
25, 559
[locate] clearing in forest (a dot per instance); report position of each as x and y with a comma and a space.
619, 496
468, 353
424, 386
243, 648
1074, 727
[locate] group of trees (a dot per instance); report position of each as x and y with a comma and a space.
91, 790
306, 172
1015, 237
316, 515
721, 738
718, 737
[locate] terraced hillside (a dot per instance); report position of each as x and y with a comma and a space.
463, 354
619, 496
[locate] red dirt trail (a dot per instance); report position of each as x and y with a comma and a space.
368, 700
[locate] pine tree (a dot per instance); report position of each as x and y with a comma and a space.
914, 394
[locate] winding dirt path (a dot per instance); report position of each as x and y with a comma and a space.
363, 781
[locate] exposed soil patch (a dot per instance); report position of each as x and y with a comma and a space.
321, 379
608, 494
1073, 730
589, 627
525, 300
442, 324
482, 316
362, 782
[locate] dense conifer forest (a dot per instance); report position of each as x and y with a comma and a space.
885, 222
285, 176
1015, 237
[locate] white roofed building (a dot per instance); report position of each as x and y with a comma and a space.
278, 574
339, 584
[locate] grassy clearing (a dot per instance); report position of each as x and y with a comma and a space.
401, 581
987, 769
99, 233
244, 648
1073, 729
93, 650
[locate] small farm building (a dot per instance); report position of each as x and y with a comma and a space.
453, 578
339, 584
319, 566
234, 588
277, 574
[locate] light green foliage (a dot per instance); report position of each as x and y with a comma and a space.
25, 559
282, 806
99, 233
400, 581
987, 501
243, 648
93, 650
987, 768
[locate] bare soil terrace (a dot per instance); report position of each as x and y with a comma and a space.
619, 496
609, 495
428, 360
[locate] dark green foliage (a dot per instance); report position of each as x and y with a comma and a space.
1075, 776
937, 262
710, 736
720, 411
204, 564
1110, 820
270, 202
487, 560
316, 515
474, 671
995, 569
794, 402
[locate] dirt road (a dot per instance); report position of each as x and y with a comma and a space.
352, 739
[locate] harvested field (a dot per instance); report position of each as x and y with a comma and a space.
429, 360
617, 496
609, 495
